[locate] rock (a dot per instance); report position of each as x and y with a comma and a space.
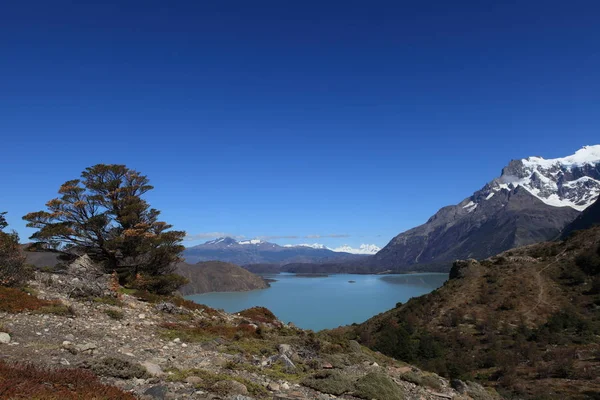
273, 387
230, 387
86, 347
354, 346
193, 380
288, 364
153, 369
177, 340
285, 349
327, 366
459, 386
4, 338
240, 397
157, 392
167, 307
142, 316
374, 365
285, 386
64, 361
70, 337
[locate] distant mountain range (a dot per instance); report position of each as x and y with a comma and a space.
260, 252
532, 201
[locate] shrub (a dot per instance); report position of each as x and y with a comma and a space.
28, 382
13, 271
259, 314
117, 368
115, 314
377, 386
330, 382
159, 284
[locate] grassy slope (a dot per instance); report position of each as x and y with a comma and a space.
526, 321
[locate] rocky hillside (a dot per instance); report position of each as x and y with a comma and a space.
75, 335
261, 252
217, 276
203, 277
532, 201
526, 321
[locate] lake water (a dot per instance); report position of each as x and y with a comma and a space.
327, 302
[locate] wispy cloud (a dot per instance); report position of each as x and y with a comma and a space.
211, 235
278, 237
315, 236
332, 235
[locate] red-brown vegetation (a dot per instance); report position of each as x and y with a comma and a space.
23, 381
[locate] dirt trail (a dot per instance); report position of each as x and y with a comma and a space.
541, 284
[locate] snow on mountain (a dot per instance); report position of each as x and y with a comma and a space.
363, 249
312, 246
572, 181
251, 241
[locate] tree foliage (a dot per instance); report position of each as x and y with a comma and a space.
104, 215
12, 261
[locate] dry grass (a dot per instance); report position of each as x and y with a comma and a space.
19, 381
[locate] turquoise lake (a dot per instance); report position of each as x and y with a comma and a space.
327, 302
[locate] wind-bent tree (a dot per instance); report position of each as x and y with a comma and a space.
12, 260
103, 215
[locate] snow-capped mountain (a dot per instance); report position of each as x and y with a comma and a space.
366, 249
257, 251
572, 181
532, 201
369, 249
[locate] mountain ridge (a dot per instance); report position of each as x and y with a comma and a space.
256, 251
532, 201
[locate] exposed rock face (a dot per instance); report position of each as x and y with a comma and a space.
217, 276
82, 278
532, 201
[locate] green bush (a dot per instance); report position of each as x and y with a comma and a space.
377, 386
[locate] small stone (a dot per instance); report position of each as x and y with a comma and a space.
153, 369
4, 338
177, 340
70, 337
375, 364
193, 380
327, 366
64, 361
285, 386
183, 345
274, 387
142, 316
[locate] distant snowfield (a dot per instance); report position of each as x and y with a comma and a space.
367, 249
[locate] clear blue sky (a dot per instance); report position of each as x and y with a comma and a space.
295, 118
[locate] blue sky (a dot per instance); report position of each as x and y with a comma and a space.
270, 119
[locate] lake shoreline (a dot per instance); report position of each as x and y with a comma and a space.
325, 302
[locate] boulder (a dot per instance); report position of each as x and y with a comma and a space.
153, 369
4, 338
